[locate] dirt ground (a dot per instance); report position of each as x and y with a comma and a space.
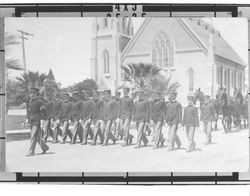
227, 153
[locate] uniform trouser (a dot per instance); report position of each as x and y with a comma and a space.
190, 136
36, 137
66, 131
118, 128
207, 128
127, 135
141, 134
98, 130
56, 131
107, 132
174, 138
46, 127
86, 131
158, 137
77, 131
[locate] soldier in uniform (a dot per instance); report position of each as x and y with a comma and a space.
125, 115
190, 122
48, 116
76, 112
117, 122
66, 115
207, 117
157, 113
108, 109
97, 117
87, 107
34, 117
141, 116
173, 119
57, 119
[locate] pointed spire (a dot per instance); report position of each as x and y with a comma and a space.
50, 75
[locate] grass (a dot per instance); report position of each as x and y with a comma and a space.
14, 122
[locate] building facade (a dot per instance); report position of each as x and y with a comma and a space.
190, 51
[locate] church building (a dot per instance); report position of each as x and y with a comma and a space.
189, 50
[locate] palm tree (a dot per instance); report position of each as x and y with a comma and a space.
163, 84
12, 63
139, 74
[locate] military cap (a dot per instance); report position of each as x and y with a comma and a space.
66, 94
117, 92
75, 93
108, 91
173, 92
127, 88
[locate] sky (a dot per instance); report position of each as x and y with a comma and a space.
64, 44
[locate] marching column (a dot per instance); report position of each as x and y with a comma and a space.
57, 119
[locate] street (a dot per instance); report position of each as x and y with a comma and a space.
227, 153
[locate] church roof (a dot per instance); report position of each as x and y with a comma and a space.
203, 30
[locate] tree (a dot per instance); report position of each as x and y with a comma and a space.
50, 86
88, 84
139, 75
12, 63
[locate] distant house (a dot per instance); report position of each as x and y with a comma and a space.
189, 50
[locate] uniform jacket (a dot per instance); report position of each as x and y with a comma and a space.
49, 107
66, 110
126, 108
117, 108
87, 107
57, 110
141, 111
174, 113
76, 110
207, 112
35, 110
108, 109
190, 116
97, 109
157, 110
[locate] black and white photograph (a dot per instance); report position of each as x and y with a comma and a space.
126, 94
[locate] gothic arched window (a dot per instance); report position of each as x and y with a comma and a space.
191, 79
163, 51
105, 62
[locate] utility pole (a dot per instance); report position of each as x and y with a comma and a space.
23, 34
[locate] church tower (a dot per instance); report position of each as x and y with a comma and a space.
109, 38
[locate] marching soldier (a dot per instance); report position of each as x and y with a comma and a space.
173, 119
97, 117
66, 115
207, 117
117, 121
46, 122
76, 112
190, 122
141, 116
36, 107
87, 107
108, 117
157, 113
57, 118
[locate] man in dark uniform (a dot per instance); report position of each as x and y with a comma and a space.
157, 113
207, 117
173, 119
108, 109
97, 117
34, 117
141, 116
65, 119
117, 121
126, 109
57, 118
87, 107
190, 122
48, 117
76, 112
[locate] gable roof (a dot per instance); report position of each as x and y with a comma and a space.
203, 31
200, 32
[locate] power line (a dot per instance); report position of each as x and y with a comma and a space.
23, 34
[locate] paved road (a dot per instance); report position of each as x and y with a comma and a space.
229, 152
